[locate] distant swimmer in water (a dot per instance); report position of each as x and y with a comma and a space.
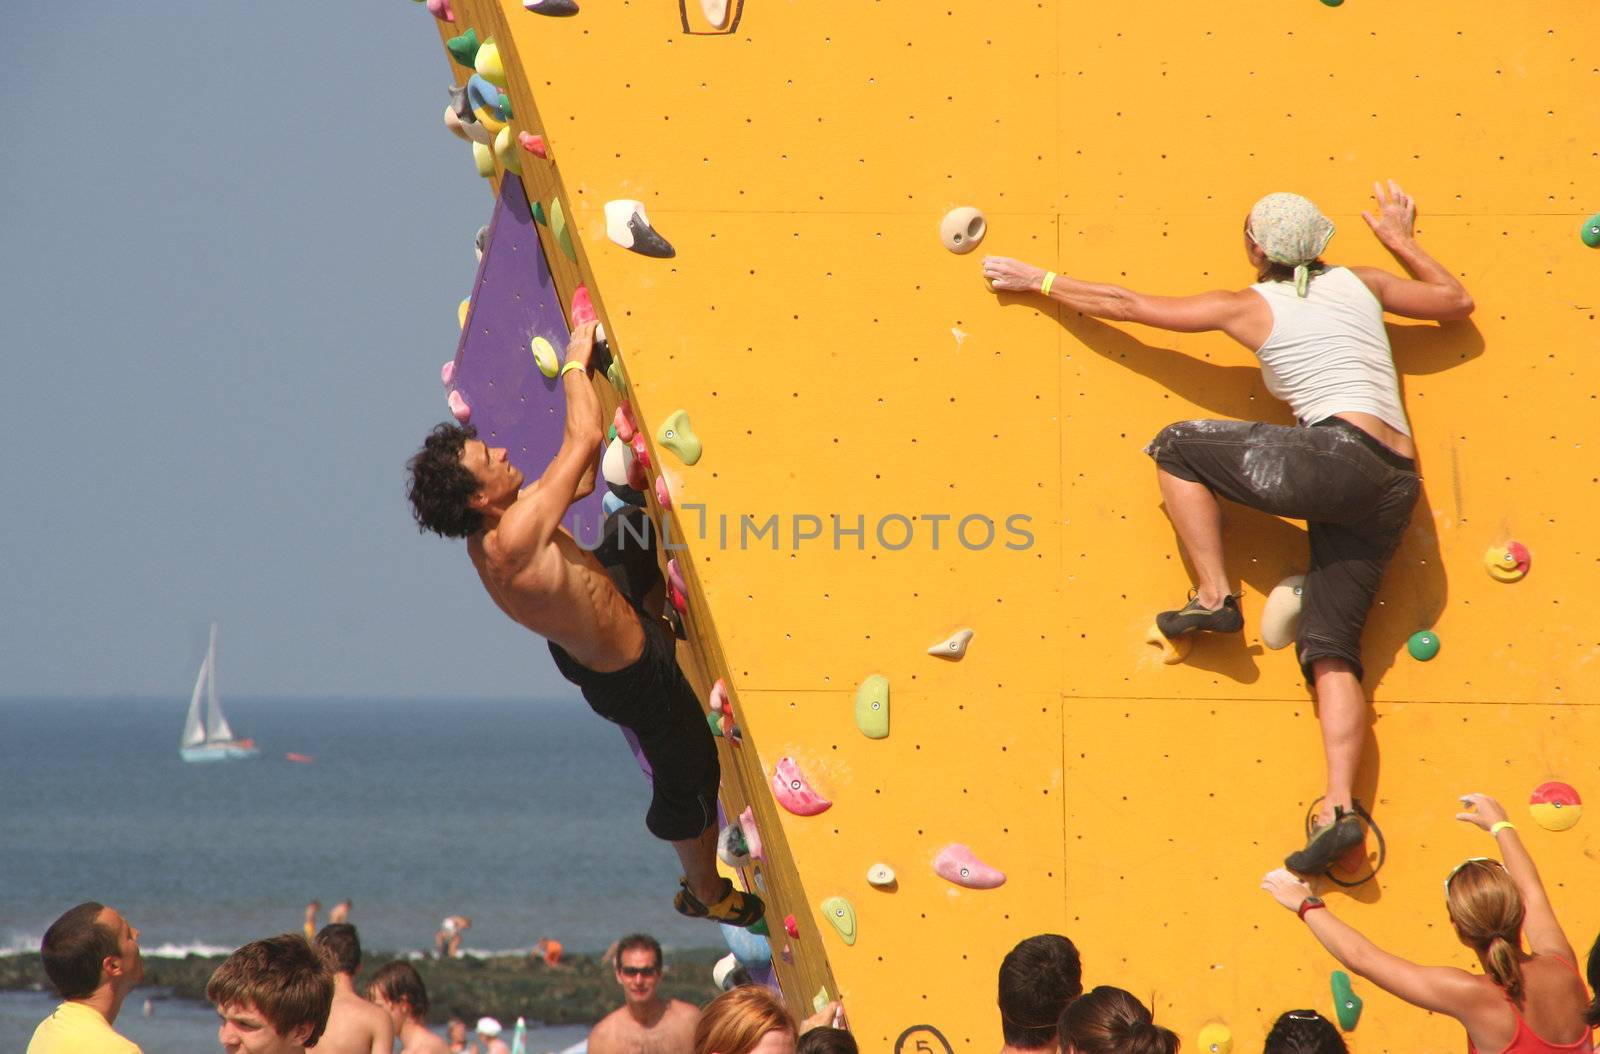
447, 942
309, 926
601, 612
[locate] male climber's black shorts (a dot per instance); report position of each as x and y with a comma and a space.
1354, 493
650, 696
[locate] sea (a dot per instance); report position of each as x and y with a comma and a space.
527, 815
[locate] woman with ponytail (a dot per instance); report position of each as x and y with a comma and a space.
1525, 1002
1110, 1021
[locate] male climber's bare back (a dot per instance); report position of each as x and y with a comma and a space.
563, 594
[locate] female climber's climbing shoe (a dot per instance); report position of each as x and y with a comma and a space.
1327, 844
736, 908
1192, 618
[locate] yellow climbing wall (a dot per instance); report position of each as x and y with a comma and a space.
838, 361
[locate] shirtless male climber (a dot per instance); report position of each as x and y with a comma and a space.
600, 612
1347, 467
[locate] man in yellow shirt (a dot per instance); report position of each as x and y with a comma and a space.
91, 956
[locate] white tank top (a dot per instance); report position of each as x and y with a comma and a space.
1328, 352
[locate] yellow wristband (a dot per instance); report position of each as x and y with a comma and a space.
1501, 825
569, 367
1049, 280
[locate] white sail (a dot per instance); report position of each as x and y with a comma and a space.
194, 732
216, 725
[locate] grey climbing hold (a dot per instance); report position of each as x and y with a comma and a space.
731, 847
629, 227
953, 647
872, 707
481, 242
553, 8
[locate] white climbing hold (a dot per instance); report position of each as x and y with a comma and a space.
716, 12
447, 373
459, 408
616, 463
953, 647
629, 227
880, 875
1280, 615
962, 229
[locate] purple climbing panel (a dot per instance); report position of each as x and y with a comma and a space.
514, 300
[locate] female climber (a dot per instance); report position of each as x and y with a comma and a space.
1525, 1002
1347, 467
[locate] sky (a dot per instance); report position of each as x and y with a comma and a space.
235, 235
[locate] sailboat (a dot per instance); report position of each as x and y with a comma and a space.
207, 737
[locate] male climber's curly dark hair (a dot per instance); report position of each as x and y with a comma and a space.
1304, 1032
440, 485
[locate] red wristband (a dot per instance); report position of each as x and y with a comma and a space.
1309, 904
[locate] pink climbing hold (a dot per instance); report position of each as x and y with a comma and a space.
958, 864
441, 10
459, 408
641, 451
582, 307
533, 144
624, 423
675, 577
664, 499
752, 836
636, 477
719, 697
447, 373
793, 792
680, 602
791, 927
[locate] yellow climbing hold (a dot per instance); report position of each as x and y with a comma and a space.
505, 149
558, 225
461, 311
483, 157
544, 356
1172, 651
487, 63
1216, 1038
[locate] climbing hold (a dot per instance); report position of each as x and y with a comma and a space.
793, 792
820, 1000
747, 946
623, 420
463, 48
533, 144
1507, 563
1280, 615
842, 916
610, 504
487, 63
614, 375
505, 150
791, 927
714, 722
752, 836
1555, 806
716, 12
759, 926
953, 647
636, 476
484, 96
461, 311
677, 436
1590, 231
731, 847
544, 356
447, 373
504, 102
483, 157
553, 8
664, 499
962, 229
616, 463
719, 691
1216, 1038
641, 450
582, 307
558, 226
629, 227
880, 875
459, 408
1172, 651
1331, 3
1346, 1004
675, 580
452, 122
480, 241
538, 213
872, 707
958, 864
1423, 645
441, 10
678, 598
788, 953
459, 104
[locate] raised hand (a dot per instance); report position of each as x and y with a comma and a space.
1006, 275
1486, 811
1397, 215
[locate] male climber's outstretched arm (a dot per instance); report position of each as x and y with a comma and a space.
1228, 311
1431, 293
533, 518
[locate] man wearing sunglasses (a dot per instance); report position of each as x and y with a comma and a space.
645, 1021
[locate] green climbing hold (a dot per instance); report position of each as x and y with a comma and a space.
872, 707
842, 916
759, 928
611, 433
715, 721
820, 1000
1332, 3
505, 106
1590, 231
676, 435
1346, 1004
1423, 645
558, 224
464, 48
538, 213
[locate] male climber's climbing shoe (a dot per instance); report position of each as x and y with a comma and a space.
1193, 618
1327, 844
736, 908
